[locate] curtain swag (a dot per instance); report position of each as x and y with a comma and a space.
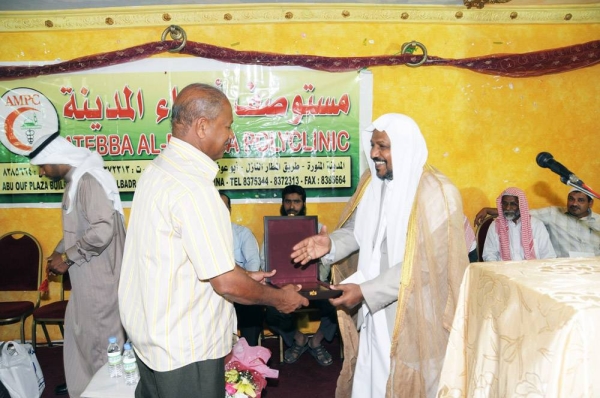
537, 63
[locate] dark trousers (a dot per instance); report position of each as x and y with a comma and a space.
250, 322
473, 256
286, 326
204, 379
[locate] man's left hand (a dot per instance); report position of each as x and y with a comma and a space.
351, 295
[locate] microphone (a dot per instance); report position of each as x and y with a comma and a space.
546, 160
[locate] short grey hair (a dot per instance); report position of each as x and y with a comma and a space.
207, 104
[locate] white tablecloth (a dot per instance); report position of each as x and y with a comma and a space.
104, 386
526, 329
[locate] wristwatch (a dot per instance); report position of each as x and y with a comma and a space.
66, 259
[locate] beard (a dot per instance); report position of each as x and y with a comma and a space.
292, 212
511, 215
389, 175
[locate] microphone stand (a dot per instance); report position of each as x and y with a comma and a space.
580, 186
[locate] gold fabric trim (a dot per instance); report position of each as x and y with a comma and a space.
406, 280
198, 15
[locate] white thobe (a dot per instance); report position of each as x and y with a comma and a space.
541, 242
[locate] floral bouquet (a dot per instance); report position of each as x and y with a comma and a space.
246, 371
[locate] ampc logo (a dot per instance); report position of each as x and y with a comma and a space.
28, 118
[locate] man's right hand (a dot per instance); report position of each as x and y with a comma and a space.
483, 213
292, 300
56, 265
312, 247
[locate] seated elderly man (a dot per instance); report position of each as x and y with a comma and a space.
574, 230
515, 235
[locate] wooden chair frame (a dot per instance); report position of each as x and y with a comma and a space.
21, 318
60, 306
480, 235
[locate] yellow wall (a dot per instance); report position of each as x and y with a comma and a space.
483, 131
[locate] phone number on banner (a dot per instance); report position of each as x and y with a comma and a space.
277, 173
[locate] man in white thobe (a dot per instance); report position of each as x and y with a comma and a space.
408, 228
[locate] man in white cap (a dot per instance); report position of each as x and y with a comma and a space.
574, 230
91, 250
515, 235
408, 228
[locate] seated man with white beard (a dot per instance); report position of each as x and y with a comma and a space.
515, 235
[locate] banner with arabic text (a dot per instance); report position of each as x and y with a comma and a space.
292, 126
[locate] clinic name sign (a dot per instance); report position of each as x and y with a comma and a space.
302, 130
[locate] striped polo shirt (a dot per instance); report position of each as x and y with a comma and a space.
179, 236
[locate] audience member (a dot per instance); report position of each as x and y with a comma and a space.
293, 203
515, 235
245, 254
91, 250
179, 276
409, 229
574, 231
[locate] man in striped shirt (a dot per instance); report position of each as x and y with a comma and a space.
179, 277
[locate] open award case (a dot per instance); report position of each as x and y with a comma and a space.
281, 234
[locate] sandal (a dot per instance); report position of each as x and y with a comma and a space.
292, 354
321, 355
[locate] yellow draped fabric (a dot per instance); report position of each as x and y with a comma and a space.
526, 329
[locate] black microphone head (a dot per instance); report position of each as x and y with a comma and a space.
543, 158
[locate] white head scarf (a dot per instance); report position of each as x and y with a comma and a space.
61, 151
409, 154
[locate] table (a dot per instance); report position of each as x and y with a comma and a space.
104, 386
526, 329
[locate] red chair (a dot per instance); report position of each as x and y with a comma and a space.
481, 234
52, 314
21, 265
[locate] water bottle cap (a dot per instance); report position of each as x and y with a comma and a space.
112, 340
127, 346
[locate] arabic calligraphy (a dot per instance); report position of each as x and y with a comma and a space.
268, 108
128, 104
162, 107
324, 106
125, 104
96, 109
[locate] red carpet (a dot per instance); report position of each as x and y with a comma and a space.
305, 378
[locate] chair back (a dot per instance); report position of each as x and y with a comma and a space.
481, 233
65, 285
21, 260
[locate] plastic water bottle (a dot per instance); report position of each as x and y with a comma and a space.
115, 360
130, 368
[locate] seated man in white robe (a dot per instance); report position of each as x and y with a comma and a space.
515, 235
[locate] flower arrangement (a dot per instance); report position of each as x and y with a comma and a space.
246, 371
241, 382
